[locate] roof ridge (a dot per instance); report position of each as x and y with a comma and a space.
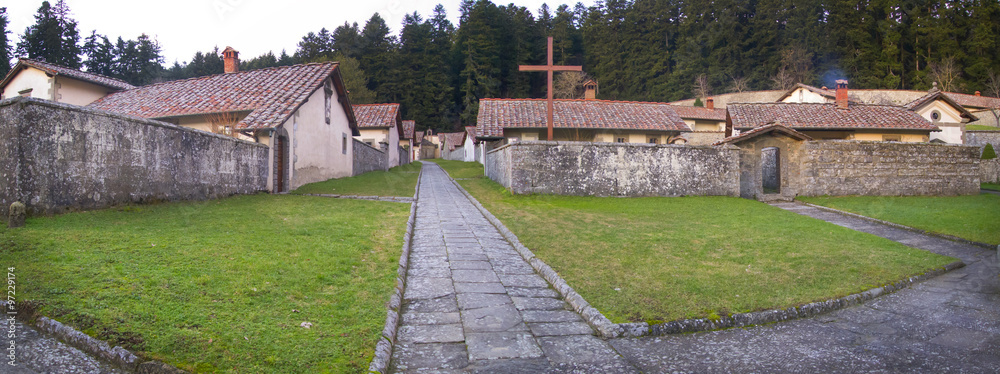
853, 103
582, 100
67, 67
239, 73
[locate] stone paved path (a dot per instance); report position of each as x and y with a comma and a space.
472, 304
947, 324
40, 353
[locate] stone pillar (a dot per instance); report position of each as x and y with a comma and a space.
16, 215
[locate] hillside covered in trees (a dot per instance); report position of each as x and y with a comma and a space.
650, 50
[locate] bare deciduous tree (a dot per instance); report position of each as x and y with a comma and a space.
946, 73
739, 84
798, 63
993, 84
569, 85
701, 88
782, 80
224, 123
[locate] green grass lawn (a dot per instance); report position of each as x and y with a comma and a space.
975, 217
990, 186
662, 259
399, 181
220, 286
981, 127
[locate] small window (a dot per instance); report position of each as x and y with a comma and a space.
343, 143
891, 138
227, 130
619, 140
654, 140
935, 116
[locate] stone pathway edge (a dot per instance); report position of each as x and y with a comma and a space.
118, 356
608, 329
390, 199
898, 226
394, 310
605, 328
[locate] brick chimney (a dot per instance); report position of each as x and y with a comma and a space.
978, 93
590, 90
710, 103
232, 60
841, 94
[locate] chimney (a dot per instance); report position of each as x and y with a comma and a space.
841, 94
978, 93
232, 60
710, 103
590, 90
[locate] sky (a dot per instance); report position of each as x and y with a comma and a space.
252, 27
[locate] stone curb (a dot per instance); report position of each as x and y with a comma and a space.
605, 328
373, 198
394, 310
898, 226
778, 315
100, 349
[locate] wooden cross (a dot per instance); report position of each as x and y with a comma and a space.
550, 68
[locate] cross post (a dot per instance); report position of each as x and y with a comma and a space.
550, 69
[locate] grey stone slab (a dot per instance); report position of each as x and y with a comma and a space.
492, 319
491, 346
560, 328
964, 339
432, 318
471, 265
479, 288
531, 292
431, 333
523, 280
587, 349
439, 305
437, 356
435, 272
427, 288
474, 276
481, 300
455, 256
550, 316
520, 269
539, 303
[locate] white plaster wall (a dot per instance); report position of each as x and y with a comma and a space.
376, 135
39, 83
802, 95
393, 146
77, 92
950, 133
948, 113
316, 148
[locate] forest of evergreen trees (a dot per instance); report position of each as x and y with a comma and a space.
650, 50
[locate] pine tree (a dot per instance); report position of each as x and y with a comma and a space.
101, 54
315, 47
376, 57
5, 48
347, 40
53, 38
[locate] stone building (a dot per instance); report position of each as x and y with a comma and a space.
301, 112
580, 120
380, 126
409, 138
42, 80
459, 146
708, 123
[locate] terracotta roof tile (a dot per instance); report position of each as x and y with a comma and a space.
774, 127
53, 69
974, 101
935, 95
809, 116
408, 127
269, 95
498, 114
471, 130
453, 139
376, 115
694, 112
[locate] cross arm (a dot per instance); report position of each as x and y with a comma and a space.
548, 68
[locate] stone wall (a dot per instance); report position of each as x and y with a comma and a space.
368, 158
842, 167
614, 169
989, 170
703, 137
404, 155
57, 158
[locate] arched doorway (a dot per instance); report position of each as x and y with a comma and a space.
770, 170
